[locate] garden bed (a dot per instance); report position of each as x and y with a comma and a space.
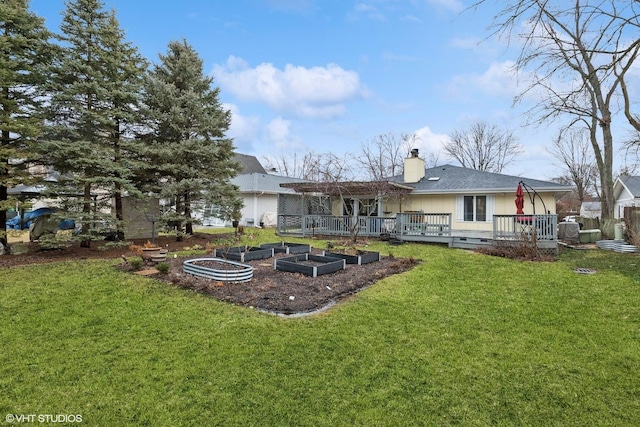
361, 257
218, 269
288, 248
244, 253
272, 290
309, 264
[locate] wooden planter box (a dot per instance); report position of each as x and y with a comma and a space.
363, 257
296, 264
288, 248
244, 253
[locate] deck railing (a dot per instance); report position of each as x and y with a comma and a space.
424, 224
335, 225
505, 227
517, 227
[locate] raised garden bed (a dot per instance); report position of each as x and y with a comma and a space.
218, 269
244, 253
288, 248
362, 257
309, 264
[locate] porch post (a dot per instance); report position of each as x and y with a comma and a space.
356, 211
302, 217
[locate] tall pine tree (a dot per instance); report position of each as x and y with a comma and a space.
94, 89
187, 147
24, 49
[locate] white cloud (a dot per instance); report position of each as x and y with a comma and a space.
243, 129
429, 142
499, 80
279, 131
317, 92
279, 136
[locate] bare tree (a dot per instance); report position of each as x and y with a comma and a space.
293, 166
329, 167
579, 53
572, 149
483, 147
321, 167
383, 156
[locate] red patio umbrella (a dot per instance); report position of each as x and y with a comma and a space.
519, 200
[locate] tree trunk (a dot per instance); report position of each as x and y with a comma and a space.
119, 216
3, 215
607, 199
179, 236
86, 210
187, 213
118, 186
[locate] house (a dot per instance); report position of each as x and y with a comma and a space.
259, 191
436, 204
590, 210
626, 192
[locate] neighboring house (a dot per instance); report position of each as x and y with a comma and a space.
140, 217
443, 201
626, 192
591, 210
259, 193
248, 164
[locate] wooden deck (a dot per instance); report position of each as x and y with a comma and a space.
426, 228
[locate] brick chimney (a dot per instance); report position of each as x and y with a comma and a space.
414, 167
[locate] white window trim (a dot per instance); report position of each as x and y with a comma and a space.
491, 204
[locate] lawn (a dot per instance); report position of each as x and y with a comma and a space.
463, 339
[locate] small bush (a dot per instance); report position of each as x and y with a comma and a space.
163, 267
53, 241
517, 250
136, 263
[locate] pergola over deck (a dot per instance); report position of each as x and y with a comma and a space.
349, 188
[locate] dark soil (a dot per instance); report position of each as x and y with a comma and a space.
270, 290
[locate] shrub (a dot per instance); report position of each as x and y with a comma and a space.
163, 267
136, 263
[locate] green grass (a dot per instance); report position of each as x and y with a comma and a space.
463, 339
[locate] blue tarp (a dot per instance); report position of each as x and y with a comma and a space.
28, 217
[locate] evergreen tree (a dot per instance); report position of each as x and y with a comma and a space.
24, 48
94, 89
187, 147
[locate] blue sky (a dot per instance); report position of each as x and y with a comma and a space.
330, 75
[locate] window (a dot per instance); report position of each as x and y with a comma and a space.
366, 207
475, 208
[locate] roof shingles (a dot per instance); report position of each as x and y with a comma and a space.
456, 179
